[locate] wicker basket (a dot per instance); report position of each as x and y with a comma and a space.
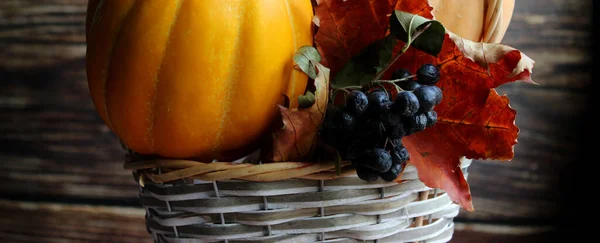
189, 201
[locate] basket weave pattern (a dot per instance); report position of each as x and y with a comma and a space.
303, 209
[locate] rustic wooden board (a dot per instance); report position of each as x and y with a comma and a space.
54, 147
50, 222
66, 223
477, 233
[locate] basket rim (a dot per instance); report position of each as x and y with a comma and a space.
161, 170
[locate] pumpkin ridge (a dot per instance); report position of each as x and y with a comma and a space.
152, 104
293, 79
226, 104
104, 75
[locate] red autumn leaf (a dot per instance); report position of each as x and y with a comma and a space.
473, 120
346, 27
296, 138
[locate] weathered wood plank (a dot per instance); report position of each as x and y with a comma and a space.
41, 33
74, 155
54, 145
477, 233
49, 222
557, 36
551, 24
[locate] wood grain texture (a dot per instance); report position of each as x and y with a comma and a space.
51, 222
54, 147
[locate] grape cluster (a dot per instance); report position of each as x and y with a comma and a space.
368, 128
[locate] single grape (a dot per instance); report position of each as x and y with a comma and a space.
400, 154
366, 174
428, 96
406, 104
415, 123
393, 173
377, 99
344, 120
356, 102
408, 85
377, 159
400, 73
431, 118
388, 116
428, 74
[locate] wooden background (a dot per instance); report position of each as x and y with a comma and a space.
61, 168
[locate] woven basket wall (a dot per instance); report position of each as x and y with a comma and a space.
344, 209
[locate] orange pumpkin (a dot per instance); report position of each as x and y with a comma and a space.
476, 20
197, 78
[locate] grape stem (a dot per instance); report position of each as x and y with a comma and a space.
395, 80
346, 89
387, 139
404, 49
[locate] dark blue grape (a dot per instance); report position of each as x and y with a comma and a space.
366, 174
400, 154
377, 160
392, 173
431, 118
400, 73
377, 100
428, 96
415, 123
388, 116
406, 104
408, 85
344, 120
356, 102
428, 74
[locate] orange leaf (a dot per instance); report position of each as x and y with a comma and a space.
295, 140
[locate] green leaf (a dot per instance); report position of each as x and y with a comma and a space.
305, 58
362, 68
406, 26
306, 100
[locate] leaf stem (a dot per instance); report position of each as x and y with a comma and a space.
404, 49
